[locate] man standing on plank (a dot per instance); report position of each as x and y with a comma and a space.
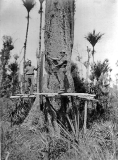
29, 71
60, 68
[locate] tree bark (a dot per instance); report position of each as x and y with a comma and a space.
59, 35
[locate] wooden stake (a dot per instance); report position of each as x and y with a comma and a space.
85, 116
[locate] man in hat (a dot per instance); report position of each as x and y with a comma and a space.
60, 68
29, 71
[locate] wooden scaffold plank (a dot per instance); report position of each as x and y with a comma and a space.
79, 95
23, 96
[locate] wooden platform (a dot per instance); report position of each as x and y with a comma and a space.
87, 97
79, 95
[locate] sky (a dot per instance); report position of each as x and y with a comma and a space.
101, 15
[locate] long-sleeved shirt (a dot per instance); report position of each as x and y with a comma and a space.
62, 62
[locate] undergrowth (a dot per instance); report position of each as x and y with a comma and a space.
100, 142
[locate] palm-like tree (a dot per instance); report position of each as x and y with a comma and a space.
28, 4
93, 38
100, 69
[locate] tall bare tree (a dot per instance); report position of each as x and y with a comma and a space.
59, 35
40, 69
93, 39
28, 4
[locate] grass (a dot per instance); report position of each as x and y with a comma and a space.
99, 143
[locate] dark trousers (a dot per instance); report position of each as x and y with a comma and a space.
30, 82
61, 76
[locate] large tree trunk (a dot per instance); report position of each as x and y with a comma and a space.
59, 35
